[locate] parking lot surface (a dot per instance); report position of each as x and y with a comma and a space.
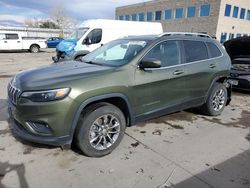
184, 149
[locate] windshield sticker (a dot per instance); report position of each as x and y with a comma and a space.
141, 43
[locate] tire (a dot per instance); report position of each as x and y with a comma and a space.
95, 127
34, 48
216, 100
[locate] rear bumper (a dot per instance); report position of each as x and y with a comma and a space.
243, 84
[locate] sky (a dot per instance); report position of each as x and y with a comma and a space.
15, 12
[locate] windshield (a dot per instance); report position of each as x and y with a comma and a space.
78, 33
116, 53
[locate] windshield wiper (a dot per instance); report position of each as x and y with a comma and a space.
92, 62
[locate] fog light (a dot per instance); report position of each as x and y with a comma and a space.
39, 128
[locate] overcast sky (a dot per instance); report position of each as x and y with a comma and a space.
14, 12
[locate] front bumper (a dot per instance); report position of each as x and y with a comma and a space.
22, 133
52, 114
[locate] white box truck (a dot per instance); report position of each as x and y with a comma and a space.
10, 41
92, 34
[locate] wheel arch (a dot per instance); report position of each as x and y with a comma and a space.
117, 99
223, 80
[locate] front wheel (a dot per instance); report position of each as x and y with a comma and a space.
100, 129
216, 100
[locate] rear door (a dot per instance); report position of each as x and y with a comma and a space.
13, 42
160, 88
200, 69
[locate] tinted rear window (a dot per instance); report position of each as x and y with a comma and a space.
213, 49
11, 36
195, 51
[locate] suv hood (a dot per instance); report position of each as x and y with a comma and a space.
54, 74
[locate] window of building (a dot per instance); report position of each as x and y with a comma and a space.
191, 12
134, 17
127, 17
228, 10
231, 36
195, 51
168, 14
238, 35
158, 15
248, 15
149, 16
242, 13
121, 17
223, 37
205, 10
179, 13
167, 52
214, 50
236, 12
141, 16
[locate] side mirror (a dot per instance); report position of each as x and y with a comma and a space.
87, 41
150, 63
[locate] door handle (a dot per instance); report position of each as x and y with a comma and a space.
212, 66
5, 42
178, 72
18, 41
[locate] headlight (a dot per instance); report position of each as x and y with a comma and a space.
45, 96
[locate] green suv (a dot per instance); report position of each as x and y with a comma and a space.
118, 85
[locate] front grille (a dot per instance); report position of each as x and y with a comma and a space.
13, 93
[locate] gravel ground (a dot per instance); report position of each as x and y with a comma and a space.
184, 149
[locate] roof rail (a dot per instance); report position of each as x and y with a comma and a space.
185, 34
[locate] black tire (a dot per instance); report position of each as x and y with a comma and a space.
86, 122
34, 48
210, 107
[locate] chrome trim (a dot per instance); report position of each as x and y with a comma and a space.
183, 64
13, 93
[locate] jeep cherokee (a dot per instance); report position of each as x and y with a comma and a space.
118, 85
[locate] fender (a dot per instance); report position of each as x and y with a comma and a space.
98, 98
229, 88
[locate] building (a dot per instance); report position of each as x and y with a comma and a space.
224, 19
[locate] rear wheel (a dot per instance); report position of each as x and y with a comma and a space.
100, 129
34, 48
216, 100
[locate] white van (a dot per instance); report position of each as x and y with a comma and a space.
92, 34
13, 41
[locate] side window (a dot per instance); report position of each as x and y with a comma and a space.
2, 36
195, 51
213, 49
11, 36
95, 36
167, 52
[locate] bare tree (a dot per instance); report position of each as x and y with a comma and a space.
60, 17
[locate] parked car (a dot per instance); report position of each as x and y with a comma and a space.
53, 42
239, 52
118, 85
92, 34
10, 41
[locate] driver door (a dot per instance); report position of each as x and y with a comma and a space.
160, 88
93, 40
